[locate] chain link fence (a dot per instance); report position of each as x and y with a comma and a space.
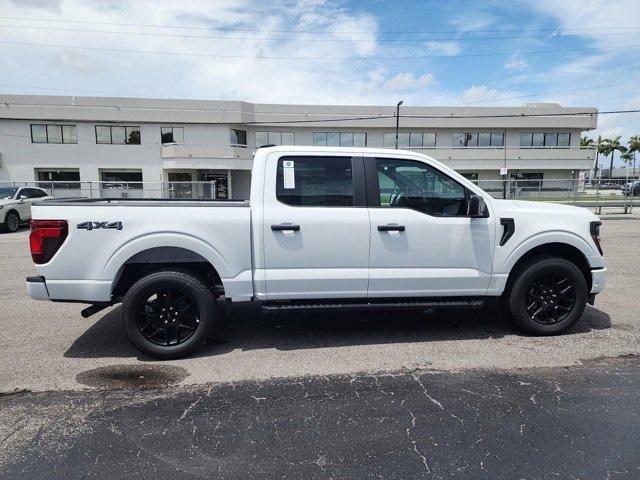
621, 195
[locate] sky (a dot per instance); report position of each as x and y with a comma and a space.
580, 53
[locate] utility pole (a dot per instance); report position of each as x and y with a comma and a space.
398, 120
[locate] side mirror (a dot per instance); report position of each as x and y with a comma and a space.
23, 198
477, 208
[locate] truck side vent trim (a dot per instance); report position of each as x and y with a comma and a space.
509, 227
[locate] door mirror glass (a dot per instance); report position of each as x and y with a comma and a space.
477, 207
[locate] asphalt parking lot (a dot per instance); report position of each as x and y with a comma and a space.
52, 346
381, 394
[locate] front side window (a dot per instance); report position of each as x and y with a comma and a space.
172, 134
238, 137
54, 133
415, 185
315, 181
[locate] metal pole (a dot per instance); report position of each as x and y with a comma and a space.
398, 120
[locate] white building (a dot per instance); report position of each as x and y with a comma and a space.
96, 143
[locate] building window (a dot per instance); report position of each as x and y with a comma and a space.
121, 180
531, 180
172, 134
117, 135
472, 176
477, 139
274, 138
410, 140
54, 133
56, 179
549, 139
339, 139
237, 138
315, 181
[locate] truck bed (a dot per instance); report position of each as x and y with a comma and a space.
102, 241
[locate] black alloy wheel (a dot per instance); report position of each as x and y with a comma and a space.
168, 317
167, 314
546, 295
550, 298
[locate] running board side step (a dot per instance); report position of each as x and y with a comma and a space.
381, 305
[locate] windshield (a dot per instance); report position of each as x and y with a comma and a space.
8, 193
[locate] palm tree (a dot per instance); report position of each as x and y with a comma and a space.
634, 146
611, 147
599, 145
627, 157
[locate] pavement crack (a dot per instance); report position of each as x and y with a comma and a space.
414, 442
417, 378
188, 409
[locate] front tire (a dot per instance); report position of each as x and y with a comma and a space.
168, 314
548, 296
12, 221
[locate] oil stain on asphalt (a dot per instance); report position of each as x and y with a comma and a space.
132, 376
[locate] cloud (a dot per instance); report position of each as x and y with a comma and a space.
471, 20
406, 81
516, 62
443, 48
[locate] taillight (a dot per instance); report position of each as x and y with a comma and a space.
594, 227
45, 238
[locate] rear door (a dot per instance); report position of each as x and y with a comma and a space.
422, 241
315, 227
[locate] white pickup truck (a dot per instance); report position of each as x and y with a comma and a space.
324, 228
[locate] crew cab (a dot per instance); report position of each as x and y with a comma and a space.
324, 228
15, 205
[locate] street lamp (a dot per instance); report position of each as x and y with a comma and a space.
398, 120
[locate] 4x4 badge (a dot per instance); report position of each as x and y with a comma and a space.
99, 225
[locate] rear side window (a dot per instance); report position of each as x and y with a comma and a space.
315, 181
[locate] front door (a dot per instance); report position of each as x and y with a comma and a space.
422, 242
315, 228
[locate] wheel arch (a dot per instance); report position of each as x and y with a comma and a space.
558, 249
158, 258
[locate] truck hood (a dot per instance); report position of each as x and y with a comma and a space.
513, 207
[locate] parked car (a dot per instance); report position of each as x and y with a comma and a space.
631, 189
15, 205
325, 228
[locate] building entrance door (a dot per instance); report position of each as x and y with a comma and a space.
180, 185
217, 185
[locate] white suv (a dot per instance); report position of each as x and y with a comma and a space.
15, 205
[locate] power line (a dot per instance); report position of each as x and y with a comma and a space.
322, 40
236, 29
413, 57
634, 82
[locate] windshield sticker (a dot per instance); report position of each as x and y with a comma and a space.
288, 174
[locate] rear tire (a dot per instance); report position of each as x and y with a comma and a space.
12, 221
168, 314
548, 296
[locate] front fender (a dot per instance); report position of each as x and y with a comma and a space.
554, 236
